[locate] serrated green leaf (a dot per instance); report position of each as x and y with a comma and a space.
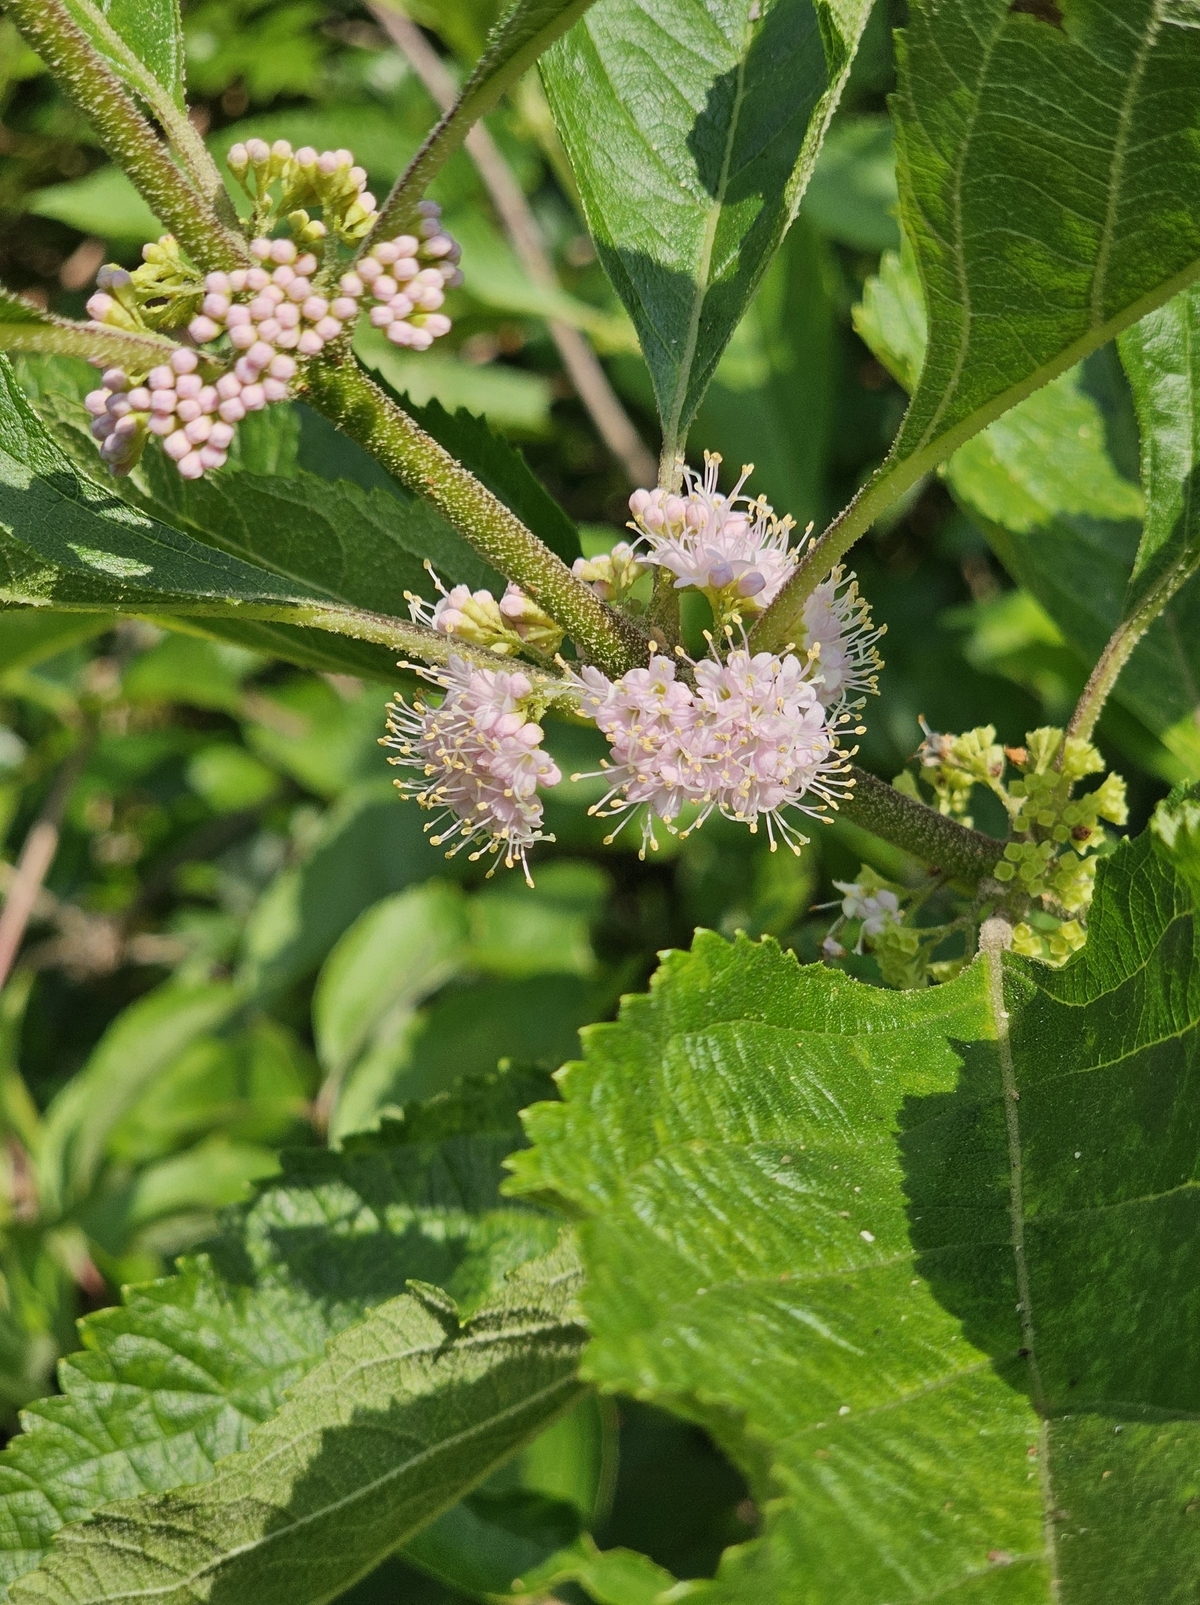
173, 1380
411, 1409
73, 545
692, 128
926, 1264
1083, 133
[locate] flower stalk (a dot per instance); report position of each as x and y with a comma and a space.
944, 844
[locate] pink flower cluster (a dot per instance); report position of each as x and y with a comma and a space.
751, 740
283, 313
480, 760
407, 295
717, 543
174, 403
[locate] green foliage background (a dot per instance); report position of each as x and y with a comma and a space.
251, 979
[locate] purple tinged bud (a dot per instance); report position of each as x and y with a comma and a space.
96, 402
751, 584
306, 156
258, 151
282, 149
238, 159
720, 574
114, 379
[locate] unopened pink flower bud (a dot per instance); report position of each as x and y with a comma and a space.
232, 410
163, 401
177, 445
310, 343
282, 368
139, 399
211, 457
191, 466
184, 361
275, 389
252, 398
221, 436
96, 402
188, 386
114, 379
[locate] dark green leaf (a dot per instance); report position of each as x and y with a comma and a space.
1042, 175
173, 1379
926, 1264
410, 1410
693, 127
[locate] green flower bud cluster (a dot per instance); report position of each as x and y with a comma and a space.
1051, 947
287, 183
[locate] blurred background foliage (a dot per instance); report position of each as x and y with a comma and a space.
244, 940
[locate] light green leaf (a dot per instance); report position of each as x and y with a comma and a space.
852, 195
393, 956
611, 1577
1161, 355
174, 1379
137, 37
370, 844
143, 1040
925, 1264
104, 203
692, 127
1043, 173
412, 1408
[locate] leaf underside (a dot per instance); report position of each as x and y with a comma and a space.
926, 1264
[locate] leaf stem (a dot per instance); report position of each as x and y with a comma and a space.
496, 71
962, 854
584, 369
352, 401
60, 338
48, 28
1120, 648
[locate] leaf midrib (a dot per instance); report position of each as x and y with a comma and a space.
671, 442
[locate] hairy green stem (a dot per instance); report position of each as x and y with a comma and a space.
1120, 649
352, 401
173, 119
506, 60
48, 28
962, 854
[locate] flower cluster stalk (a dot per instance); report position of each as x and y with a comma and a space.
944, 844
352, 401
